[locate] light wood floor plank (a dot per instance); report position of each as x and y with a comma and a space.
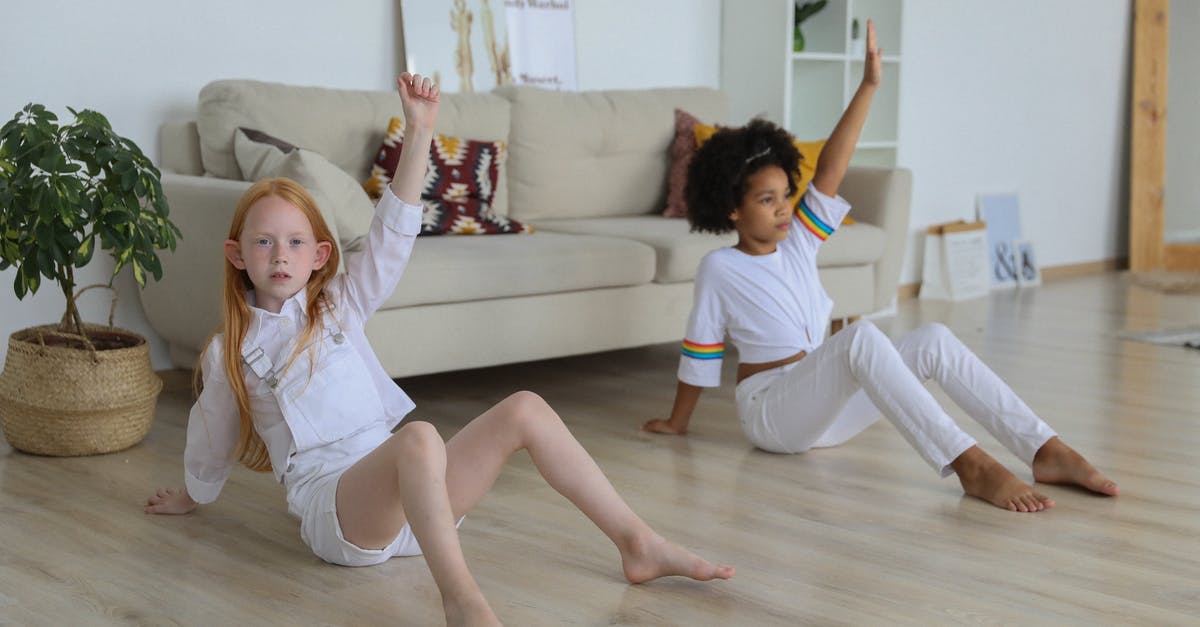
864, 533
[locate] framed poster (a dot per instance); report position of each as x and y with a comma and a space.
462, 44
477, 45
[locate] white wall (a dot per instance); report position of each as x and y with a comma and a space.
141, 62
1026, 96
633, 44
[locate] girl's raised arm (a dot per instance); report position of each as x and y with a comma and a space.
420, 98
835, 156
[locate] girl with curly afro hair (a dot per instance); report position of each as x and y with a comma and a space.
798, 390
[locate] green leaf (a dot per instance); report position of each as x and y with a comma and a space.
154, 266
68, 189
139, 274
45, 264
117, 216
19, 286
84, 253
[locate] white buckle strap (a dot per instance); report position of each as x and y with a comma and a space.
257, 359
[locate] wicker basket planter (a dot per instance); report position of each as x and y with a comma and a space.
64, 401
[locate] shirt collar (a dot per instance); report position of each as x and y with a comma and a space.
292, 309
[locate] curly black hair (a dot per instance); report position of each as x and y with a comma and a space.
716, 177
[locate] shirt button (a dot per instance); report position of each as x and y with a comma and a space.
339, 338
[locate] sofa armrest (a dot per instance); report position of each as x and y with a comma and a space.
882, 197
184, 307
179, 148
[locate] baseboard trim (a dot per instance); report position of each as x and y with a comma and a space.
909, 291
1072, 270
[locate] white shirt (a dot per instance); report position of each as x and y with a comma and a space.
772, 306
348, 390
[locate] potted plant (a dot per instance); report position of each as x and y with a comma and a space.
73, 388
803, 11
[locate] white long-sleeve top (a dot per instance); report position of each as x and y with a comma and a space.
772, 306
348, 390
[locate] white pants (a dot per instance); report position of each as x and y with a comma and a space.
839, 389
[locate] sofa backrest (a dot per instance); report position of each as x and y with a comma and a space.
570, 154
598, 153
345, 126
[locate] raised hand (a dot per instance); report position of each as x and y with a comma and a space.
873, 64
420, 97
169, 501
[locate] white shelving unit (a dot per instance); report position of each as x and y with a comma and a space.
807, 91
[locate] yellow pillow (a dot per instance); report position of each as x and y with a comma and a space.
809, 151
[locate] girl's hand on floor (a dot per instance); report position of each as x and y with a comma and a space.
169, 501
663, 426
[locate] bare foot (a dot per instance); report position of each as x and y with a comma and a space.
470, 613
652, 556
985, 478
1056, 462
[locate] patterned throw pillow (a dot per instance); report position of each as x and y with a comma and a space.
340, 198
682, 149
469, 216
460, 183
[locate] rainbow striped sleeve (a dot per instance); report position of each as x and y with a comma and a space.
812, 222
703, 351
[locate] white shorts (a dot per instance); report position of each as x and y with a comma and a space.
312, 479
320, 530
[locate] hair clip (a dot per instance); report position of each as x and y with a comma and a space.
758, 155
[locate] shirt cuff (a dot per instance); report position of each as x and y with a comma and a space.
398, 215
202, 491
700, 373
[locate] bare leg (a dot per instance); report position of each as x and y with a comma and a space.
985, 478
1056, 462
476, 454
405, 479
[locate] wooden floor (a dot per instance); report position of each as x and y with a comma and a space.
860, 534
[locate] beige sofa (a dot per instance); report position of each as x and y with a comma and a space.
588, 170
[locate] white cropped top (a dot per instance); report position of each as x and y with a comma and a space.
772, 306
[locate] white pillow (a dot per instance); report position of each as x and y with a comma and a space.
342, 201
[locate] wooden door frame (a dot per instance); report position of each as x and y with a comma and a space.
1148, 145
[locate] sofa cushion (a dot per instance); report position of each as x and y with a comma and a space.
598, 153
340, 198
459, 269
852, 244
677, 251
344, 125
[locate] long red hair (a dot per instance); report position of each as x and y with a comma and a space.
235, 311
